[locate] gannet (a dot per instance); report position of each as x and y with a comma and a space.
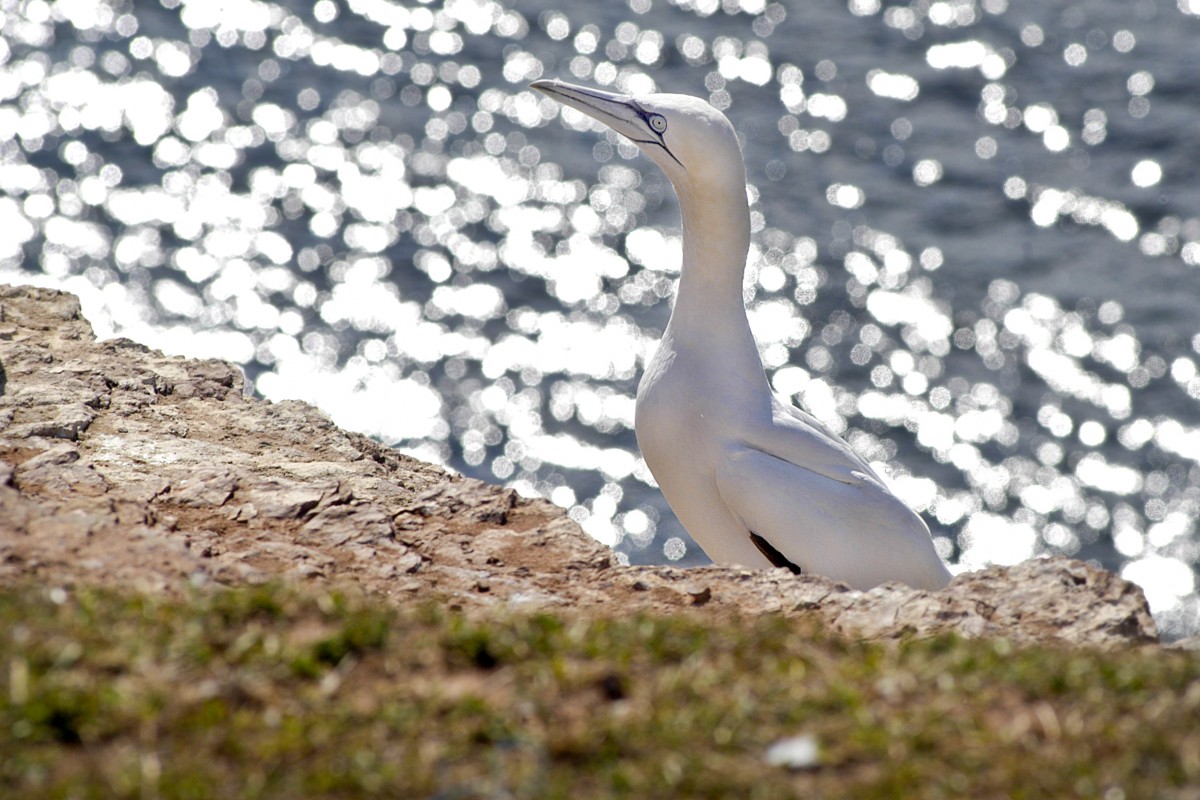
755, 480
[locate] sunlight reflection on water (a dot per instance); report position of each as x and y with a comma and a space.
975, 237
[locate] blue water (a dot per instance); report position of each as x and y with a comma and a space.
976, 237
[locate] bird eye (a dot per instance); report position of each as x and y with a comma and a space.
658, 123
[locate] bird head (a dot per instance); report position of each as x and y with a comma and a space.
692, 142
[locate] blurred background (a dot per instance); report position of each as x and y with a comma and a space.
976, 248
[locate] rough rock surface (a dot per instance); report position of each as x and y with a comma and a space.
120, 466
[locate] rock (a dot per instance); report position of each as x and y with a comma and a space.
795, 752
1054, 599
362, 523
123, 467
1191, 643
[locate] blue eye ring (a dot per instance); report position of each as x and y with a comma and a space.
657, 123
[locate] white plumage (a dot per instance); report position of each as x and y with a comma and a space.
755, 480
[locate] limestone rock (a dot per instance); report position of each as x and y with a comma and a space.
121, 466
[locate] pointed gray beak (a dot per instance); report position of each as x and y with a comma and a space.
621, 112
617, 111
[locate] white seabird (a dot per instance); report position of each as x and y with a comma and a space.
755, 480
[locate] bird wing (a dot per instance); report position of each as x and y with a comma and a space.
796, 436
845, 528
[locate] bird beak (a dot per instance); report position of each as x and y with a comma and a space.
618, 111
621, 112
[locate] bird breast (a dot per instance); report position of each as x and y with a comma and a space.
670, 417
688, 408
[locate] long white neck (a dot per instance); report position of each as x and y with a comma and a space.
716, 238
709, 316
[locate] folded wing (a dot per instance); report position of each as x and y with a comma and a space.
844, 526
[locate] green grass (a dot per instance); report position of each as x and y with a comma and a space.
270, 692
